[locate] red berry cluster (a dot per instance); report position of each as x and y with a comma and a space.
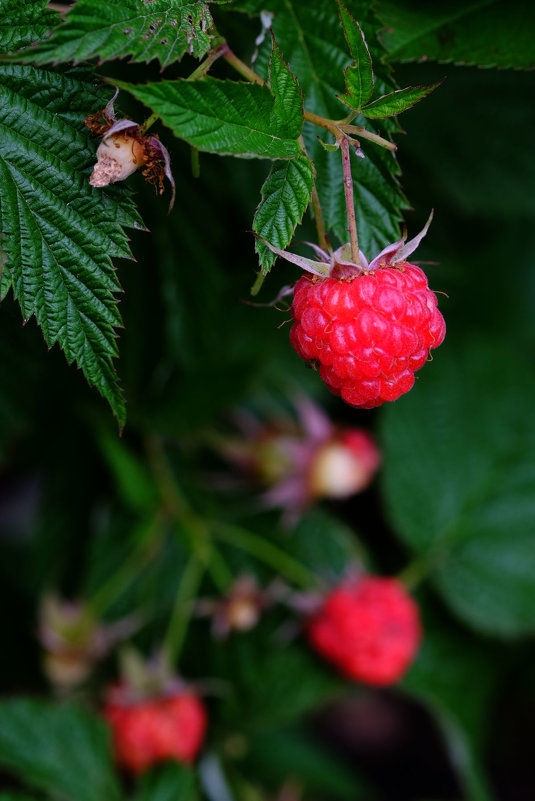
368, 333
151, 731
369, 628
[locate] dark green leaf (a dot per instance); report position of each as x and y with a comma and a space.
23, 23
162, 29
288, 105
59, 232
489, 34
459, 482
285, 197
172, 782
224, 117
443, 678
277, 755
133, 480
61, 749
359, 76
16, 797
326, 545
395, 102
293, 682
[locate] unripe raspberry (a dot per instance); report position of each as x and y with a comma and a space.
369, 628
146, 732
367, 333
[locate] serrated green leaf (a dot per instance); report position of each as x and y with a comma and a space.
224, 117
288, 105
172, 782
23, 23
285, 198
488, 34
312, 39
359, 76
395, 102
160, 29
59, 232
61, 749
459, 483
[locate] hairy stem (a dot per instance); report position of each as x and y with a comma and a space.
350, 201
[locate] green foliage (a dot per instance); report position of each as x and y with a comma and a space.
444, 678
278, 754
173, 782
312, 40
223, 117
459, 483
59, 232
395, 102
489, 34
61, 749
326, 545
359, 76
160, 29
285, 198
23, 23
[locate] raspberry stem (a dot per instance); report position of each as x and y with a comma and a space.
350, 200
266, 552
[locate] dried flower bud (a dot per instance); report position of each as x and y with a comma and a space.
118, 156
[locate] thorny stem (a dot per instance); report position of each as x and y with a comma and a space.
350, 201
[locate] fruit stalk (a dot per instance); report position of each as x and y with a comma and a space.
350, 200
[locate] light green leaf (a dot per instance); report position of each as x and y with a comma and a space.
459, 482
285, 197
160, 29
172, 782
488, 33
61, 749
359, 76
395, 102
288, 105
224, 117
23, 23
59, 233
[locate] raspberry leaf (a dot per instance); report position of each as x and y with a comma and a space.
359, 76
62, 750
285, 198
458, 478
161, 29
58, 232
488, 34
395, 102
459, 704
225, 117
23, 23
172, 782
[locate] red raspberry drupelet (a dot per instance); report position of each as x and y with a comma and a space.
369, 332
369, 628
151, 731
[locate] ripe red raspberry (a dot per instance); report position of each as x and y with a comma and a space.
151, 731
369, 628
369, 332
